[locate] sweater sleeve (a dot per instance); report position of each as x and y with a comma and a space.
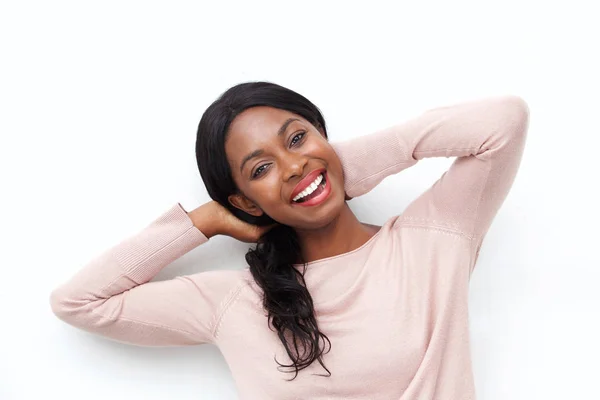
112, 295
488, 137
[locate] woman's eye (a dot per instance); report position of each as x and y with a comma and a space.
300, 135
258, 170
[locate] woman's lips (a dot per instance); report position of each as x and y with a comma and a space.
307, 180
320, 198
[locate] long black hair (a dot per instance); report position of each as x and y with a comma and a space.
285, 296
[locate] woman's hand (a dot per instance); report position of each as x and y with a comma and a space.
213, 219
238, 229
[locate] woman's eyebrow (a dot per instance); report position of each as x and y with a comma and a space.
258, 152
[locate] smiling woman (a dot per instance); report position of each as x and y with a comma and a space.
383, 310
260, 149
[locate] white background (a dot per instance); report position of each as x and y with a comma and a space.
99, 105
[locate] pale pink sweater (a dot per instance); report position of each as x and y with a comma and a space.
395, 309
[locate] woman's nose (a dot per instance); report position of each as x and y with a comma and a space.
293, 166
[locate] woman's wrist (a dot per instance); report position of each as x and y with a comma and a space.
204, 219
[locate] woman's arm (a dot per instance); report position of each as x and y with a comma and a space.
488, 137
112, 296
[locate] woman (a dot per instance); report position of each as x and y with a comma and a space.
352, 310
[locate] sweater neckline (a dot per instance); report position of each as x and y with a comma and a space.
342, 255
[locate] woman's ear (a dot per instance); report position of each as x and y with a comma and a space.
240, 201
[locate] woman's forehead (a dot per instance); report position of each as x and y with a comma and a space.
260, 119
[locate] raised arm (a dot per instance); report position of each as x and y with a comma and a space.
112, 295
488, 137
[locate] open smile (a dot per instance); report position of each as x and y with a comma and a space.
315, 192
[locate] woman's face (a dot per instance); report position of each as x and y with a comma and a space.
270, 151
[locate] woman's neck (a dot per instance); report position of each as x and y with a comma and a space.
342, 235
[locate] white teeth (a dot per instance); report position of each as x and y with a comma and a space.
309, 189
